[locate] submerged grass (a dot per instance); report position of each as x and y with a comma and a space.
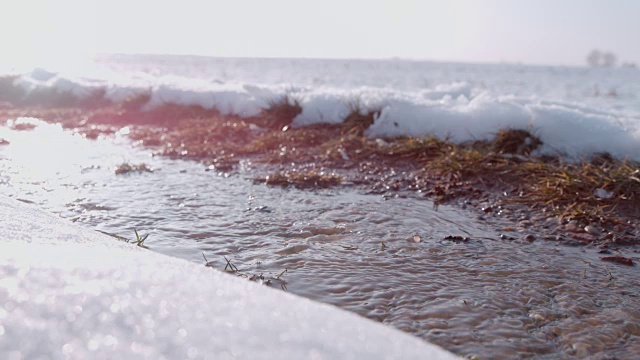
259, 278
139, 240
304, 180
127, 168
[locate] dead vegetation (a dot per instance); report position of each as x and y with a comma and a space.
135, 103
279, 112
231, 268
600, 190
360, 118
515, 141
305, 180
127, 168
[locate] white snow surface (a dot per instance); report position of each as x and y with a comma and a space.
70, 293
577, 112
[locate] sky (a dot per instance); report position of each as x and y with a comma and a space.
528, 31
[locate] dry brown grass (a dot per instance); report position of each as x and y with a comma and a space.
127, 168
279, 112
301, 180
136, 102
306, 156
515, 141
575, 190
359, 118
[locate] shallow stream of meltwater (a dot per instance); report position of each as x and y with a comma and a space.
486, 297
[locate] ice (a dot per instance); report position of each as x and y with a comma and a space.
70, 293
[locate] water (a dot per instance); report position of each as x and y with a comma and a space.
487, 297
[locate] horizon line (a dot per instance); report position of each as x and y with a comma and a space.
329, 58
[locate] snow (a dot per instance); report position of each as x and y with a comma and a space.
571, 131
229, 99
566, 107
70, 293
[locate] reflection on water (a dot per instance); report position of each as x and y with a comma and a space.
488, 297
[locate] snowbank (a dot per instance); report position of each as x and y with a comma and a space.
568, 130
68, 292
455, 110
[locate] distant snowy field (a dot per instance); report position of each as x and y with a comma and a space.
576, 111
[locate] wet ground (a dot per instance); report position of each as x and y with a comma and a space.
467, 280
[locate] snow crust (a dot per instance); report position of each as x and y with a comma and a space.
71, 293
575, 125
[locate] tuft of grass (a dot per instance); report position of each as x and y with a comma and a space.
602, 159
136, 102
230, 266
359, 118
140, 240
126, 168
280, 112
515, 141
207, 263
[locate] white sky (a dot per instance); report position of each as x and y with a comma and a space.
529, 31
